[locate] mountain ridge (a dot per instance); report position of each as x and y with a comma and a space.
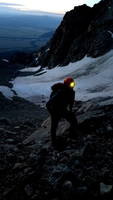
83, 31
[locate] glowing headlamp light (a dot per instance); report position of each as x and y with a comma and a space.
72, 84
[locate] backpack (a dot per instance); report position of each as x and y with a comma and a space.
61, 96
55, 98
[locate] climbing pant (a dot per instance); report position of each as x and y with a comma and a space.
69, 116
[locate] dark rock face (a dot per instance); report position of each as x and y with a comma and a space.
83, 31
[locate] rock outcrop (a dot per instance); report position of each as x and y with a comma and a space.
83, 31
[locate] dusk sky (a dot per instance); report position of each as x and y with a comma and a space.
54, 6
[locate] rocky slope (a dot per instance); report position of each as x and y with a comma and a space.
8, 71
31, 168
83, 31
76, 168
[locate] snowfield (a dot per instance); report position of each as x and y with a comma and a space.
94, 78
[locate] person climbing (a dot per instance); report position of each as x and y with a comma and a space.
60, 106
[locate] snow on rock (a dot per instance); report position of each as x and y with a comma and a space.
6, 91
5, 60
30, 69
110, 33
94, 77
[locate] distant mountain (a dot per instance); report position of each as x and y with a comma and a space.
24, 31
29, 20
83, 31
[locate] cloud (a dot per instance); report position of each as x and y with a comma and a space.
9, 7
10, 4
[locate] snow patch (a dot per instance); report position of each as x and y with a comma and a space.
110, 33
30, 69
47, 50
5, 60
6, 91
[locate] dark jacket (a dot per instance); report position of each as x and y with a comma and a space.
61, 97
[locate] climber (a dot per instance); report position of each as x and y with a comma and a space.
60, 106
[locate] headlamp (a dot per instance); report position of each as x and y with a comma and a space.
72, 84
